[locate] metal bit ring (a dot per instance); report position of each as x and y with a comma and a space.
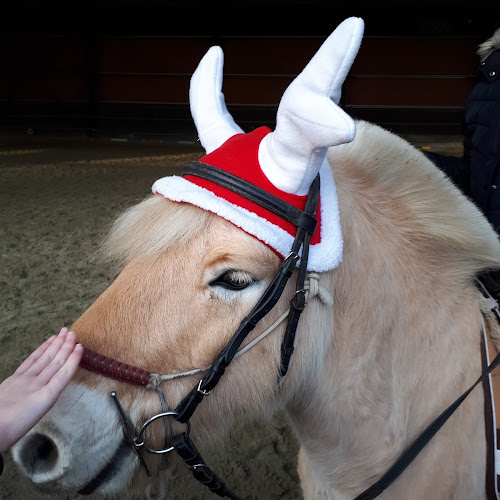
139, 439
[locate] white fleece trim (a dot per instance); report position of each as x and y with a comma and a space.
323, 256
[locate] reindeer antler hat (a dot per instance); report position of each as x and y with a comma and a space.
283, 162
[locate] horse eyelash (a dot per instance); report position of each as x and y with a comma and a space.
233, 279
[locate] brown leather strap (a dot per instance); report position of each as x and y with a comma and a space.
114, 369
253, 193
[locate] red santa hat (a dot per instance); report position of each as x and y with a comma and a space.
283, 162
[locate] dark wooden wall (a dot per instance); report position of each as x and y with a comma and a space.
133, 78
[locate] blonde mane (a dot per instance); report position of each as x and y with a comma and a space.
152, 226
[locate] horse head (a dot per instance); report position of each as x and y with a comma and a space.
196, 259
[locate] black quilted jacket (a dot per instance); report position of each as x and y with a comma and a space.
477, 173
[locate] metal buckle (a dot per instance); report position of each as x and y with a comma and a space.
292, 255
202, 391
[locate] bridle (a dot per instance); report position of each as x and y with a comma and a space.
306, 224
182, 443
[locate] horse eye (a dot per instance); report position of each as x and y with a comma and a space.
233, 280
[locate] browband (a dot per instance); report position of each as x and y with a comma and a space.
253, 193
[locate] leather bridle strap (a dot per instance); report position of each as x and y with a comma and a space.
188, 405
299, 218
186, 449
297, 304
271, 296
182, 444
418, 445
114, 369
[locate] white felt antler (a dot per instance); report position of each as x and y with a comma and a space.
212, 119
308, 119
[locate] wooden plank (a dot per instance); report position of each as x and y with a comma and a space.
141, 88
438, 92
262, 90
150, 54
403, 72
287, 55
445, 56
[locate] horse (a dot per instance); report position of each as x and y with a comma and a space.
389, 338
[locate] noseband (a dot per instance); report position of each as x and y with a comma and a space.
306, 225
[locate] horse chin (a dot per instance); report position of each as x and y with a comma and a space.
82, 450
113, 475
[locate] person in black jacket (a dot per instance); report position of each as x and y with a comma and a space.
477, 172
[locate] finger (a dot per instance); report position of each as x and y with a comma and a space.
49, 354
62, 377
34, 356
59, 359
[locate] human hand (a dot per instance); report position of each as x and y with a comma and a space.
27, 395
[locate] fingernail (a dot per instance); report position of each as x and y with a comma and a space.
70, 337
63, 331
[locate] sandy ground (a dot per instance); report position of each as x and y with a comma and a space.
57, 202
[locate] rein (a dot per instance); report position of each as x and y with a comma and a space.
407, 457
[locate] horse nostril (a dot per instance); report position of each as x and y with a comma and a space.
39, 454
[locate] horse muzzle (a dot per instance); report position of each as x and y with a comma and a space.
78, 446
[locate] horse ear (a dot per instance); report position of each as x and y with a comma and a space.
308, 119
212, 119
